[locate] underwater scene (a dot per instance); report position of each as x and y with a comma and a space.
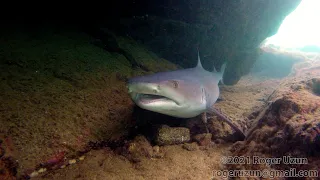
162, 90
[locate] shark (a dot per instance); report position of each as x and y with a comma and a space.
183, 93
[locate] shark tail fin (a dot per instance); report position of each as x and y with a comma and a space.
222, 69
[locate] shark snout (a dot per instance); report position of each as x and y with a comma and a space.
144, 88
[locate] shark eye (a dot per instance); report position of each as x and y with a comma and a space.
175, 83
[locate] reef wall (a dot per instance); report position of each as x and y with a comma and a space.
225, 31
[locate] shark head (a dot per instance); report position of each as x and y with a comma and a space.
167, 93
182, 93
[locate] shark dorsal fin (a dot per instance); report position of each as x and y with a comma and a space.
214, 70
199, 62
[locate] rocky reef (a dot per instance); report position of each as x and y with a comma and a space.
287, 128
63, 95
228, 31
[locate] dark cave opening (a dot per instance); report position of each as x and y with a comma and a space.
316, 86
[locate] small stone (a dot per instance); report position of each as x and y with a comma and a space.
219, 141
42, 170
172, 135
203, 139
63, 166
296, 87
140, 147
137, 149
156, 149
72, 161
157, 153
190, 146
81, 158
34, 174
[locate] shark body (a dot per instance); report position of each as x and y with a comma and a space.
182, 93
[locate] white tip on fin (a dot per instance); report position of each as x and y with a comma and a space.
199, 62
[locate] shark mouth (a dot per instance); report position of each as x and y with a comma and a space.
152, 98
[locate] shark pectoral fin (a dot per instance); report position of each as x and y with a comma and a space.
228, 121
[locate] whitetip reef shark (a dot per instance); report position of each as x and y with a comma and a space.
184, 93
